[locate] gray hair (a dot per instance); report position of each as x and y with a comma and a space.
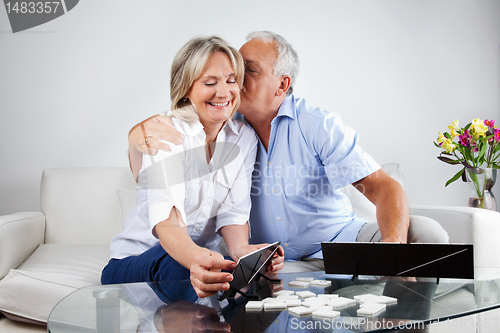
287, 62
187, 67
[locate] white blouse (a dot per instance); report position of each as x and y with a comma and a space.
209, 195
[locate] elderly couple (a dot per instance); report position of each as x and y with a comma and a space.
273, 174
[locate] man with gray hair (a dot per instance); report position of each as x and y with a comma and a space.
305, 156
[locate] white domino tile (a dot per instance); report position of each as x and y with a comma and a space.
254, 305
273, 300
322, 313
273, 306
300, 311
285, 297
341, 303
369, 298
370, 309
293, 302
311, 301
300, 284
283, 293
321, 283
305, 294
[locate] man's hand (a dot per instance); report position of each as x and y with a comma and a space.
154, 129
144, 138
206, 275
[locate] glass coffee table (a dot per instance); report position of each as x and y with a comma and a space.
169, 307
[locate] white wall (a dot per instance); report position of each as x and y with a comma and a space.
397, 71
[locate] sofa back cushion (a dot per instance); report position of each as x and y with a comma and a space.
80, 204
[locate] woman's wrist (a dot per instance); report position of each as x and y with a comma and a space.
196, 255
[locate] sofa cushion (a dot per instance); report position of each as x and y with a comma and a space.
127, 199
50, 274
80, 204
363, 207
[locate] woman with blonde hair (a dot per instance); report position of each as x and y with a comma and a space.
198, 192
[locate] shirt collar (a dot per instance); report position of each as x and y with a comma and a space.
286, 108
195, 127
232, 126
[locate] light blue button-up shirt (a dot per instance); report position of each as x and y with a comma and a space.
296, 197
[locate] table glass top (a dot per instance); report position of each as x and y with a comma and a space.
168, 307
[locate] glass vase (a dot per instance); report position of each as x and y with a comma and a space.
482, 181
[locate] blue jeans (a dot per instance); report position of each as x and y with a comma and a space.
153, 265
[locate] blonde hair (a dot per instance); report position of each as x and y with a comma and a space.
187, 67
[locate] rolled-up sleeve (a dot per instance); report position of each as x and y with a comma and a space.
163, 175
344, 160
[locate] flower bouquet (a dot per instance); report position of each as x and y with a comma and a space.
475, 147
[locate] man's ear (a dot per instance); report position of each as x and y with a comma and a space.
285, 82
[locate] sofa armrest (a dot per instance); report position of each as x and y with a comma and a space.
20, 235
466, 225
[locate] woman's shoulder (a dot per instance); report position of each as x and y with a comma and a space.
241, 127
179, 124
244, 130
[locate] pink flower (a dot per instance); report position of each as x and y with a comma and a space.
465, 139
489, 123
497, 135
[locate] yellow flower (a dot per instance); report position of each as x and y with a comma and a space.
441, 138
448, 145
478, 127
454, 128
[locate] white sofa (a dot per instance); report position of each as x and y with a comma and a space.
46, 255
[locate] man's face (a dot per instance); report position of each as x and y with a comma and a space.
260, 86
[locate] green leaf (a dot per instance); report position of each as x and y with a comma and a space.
448, 160
497, 147
482, 150
467, 154
435, 144
473, 176
457, 175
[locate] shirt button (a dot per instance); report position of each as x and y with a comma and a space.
269, 163
278, 218
287, 245
197, 229
274, 191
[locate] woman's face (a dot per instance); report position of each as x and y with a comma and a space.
216, 91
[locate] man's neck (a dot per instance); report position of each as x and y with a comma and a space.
261, 121
262, 126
